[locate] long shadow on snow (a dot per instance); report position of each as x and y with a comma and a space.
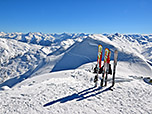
90, 92
79, 96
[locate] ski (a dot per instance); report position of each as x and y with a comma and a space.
107, 70
98, 64
106, 65
114, 67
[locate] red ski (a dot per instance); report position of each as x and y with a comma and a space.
106, 65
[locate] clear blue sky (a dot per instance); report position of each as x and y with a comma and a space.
75, 16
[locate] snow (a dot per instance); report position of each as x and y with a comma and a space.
58, 78
72, 92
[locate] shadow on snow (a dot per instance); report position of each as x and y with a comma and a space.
87, 93
80, 95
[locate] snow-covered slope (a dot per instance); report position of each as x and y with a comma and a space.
134, 43
72, 91
23, 58
86, 51
52, 73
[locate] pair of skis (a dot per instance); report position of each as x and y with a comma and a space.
105, 66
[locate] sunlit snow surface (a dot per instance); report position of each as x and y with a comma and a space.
53, 74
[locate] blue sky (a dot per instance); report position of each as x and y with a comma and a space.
76, 16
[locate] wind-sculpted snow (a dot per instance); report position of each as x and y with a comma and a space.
86, 51
80, 53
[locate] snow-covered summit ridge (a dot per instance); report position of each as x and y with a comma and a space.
23, 55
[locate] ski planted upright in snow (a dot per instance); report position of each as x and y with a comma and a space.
107, 70
106, 66
114, 67
99, 59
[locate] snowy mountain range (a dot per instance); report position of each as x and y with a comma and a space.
28, 53
36, 68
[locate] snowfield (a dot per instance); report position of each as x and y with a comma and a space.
53, 74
